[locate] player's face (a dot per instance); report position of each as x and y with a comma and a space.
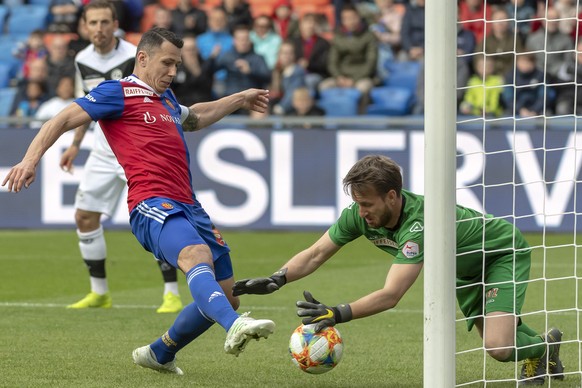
376, 209
160, 67
100, 28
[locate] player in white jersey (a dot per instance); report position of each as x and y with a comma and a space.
104, 180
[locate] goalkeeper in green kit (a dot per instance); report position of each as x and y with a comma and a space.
393, 219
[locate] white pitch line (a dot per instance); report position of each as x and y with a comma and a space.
150, 307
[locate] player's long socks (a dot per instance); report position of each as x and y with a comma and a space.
93, 251
525, 337
170, 275
189, 324
209, 296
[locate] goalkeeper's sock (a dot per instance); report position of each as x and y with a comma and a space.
209, 296
189, 324
525, 337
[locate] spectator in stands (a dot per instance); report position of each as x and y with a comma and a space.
287, 76
188, 20
472, 14
483, 96
33, 97
215, 41
501, 42
238, 13
30, 50
163, 18
65, 95
525, 101
60, 64
352, 57
217, 37
311, 51
284, 20
193, 80
37, 72
244, 68
568, 100
387, 30
567, 11
304, 106
266, 41
522, 13
79, 42
412, 31
64, 15
550, 43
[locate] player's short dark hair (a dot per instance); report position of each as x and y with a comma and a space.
99, 4
155, 37
377, 171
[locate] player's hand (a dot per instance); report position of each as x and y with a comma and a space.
322, 316
260, 286
256, 99
68, 157
19, 176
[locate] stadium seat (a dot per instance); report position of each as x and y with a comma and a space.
7, 96
147, 20
340, 102
5, 74
390, 101
3, 16
403, 74
26, 18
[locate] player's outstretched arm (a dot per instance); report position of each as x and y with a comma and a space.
205, 114
300, 265
24, 173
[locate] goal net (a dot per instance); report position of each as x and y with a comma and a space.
518, 122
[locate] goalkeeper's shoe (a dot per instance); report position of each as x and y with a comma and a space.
243, 330
171, 304
533, 371
555, 365
146, 358
93, 300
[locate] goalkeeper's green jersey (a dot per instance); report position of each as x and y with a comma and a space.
478, 235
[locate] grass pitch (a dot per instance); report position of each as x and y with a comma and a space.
42, 344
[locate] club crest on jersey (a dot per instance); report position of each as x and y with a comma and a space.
169, 103
410, 249
167, 205
134, 91
116, 74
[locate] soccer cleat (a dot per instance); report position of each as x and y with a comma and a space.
145, 358
555, 365
533, 371
243, 330
171, 304
93, 300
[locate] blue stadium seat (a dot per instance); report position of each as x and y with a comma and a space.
340, 102
3, 15
27, 18
403, 74
5, 74
7, 96
390, 101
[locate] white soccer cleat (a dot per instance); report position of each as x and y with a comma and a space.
243, 330
145, 358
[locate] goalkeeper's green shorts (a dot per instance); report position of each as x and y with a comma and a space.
499, 292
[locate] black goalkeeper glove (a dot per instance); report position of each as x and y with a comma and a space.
260, 285
321, 315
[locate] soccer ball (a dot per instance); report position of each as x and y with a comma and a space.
315, 352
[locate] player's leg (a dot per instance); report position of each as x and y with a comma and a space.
98, 193
171, 298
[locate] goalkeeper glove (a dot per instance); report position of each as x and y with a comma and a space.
321, 315
260, 285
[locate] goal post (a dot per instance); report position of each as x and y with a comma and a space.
440, 186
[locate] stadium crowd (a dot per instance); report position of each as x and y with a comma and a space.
516, 58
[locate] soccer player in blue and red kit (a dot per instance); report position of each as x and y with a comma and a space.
144, 124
